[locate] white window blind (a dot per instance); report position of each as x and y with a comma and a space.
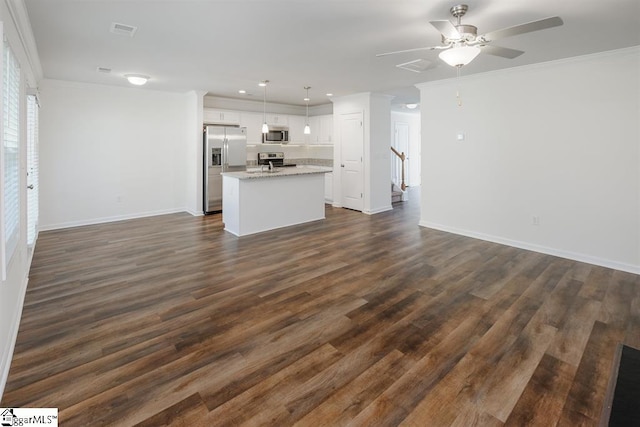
10, 154
32, 170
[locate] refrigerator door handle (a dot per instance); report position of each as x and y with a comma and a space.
225, 145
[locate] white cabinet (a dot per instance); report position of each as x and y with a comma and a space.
296, 129
212, 116
326, 129
277, 120
321, 129
321, 126
253, 123
314, 124
328, 187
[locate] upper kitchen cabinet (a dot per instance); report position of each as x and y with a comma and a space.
277, 120
314, 136
211, 116
296, 129
321, 129
253, 123
326, 129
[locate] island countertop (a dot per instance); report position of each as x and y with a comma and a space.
255, 201
256, 173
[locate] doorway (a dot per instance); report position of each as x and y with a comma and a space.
401, 143
352, 152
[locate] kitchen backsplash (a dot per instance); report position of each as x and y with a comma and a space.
312, 161
319, 155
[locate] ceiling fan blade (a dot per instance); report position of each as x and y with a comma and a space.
542, 24
504, 52
412, 50
447, 29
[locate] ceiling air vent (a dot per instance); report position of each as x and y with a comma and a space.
104, 70
417, 65
123, 29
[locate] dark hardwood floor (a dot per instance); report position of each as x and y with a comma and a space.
355, 320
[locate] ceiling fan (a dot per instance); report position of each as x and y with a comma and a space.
461, 42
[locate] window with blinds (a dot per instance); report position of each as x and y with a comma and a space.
10, 154
32, 170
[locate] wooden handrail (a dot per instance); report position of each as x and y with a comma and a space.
402, 158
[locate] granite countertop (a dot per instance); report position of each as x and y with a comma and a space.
256, 173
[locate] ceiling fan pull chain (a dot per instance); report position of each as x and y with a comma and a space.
458, 87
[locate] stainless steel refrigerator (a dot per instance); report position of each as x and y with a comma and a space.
225, 150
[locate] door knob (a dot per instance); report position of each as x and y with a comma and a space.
30, 187
341, 166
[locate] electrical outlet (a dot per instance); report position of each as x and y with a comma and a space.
535, 220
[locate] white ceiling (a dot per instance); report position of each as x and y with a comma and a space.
223, 46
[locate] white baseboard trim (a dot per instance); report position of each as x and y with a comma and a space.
629, 268
7, 355
378, 210
108, 219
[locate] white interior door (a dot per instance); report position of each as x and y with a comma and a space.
352, 152
402, 145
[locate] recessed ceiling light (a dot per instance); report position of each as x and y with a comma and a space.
242, 91
263, 83
411, 106
329, 94
137, 79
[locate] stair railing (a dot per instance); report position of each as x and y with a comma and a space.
402, 158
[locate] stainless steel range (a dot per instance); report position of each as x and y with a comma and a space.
276, 159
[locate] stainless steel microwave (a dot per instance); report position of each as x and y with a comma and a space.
276, 136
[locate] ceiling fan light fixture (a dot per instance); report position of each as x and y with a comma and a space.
459, 56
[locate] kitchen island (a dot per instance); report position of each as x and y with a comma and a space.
254, 200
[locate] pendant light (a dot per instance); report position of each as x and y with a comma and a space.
265, 127
307, 129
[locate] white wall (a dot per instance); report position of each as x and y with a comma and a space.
376, 113
193, 152
109, 153
558, 141
378, 154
